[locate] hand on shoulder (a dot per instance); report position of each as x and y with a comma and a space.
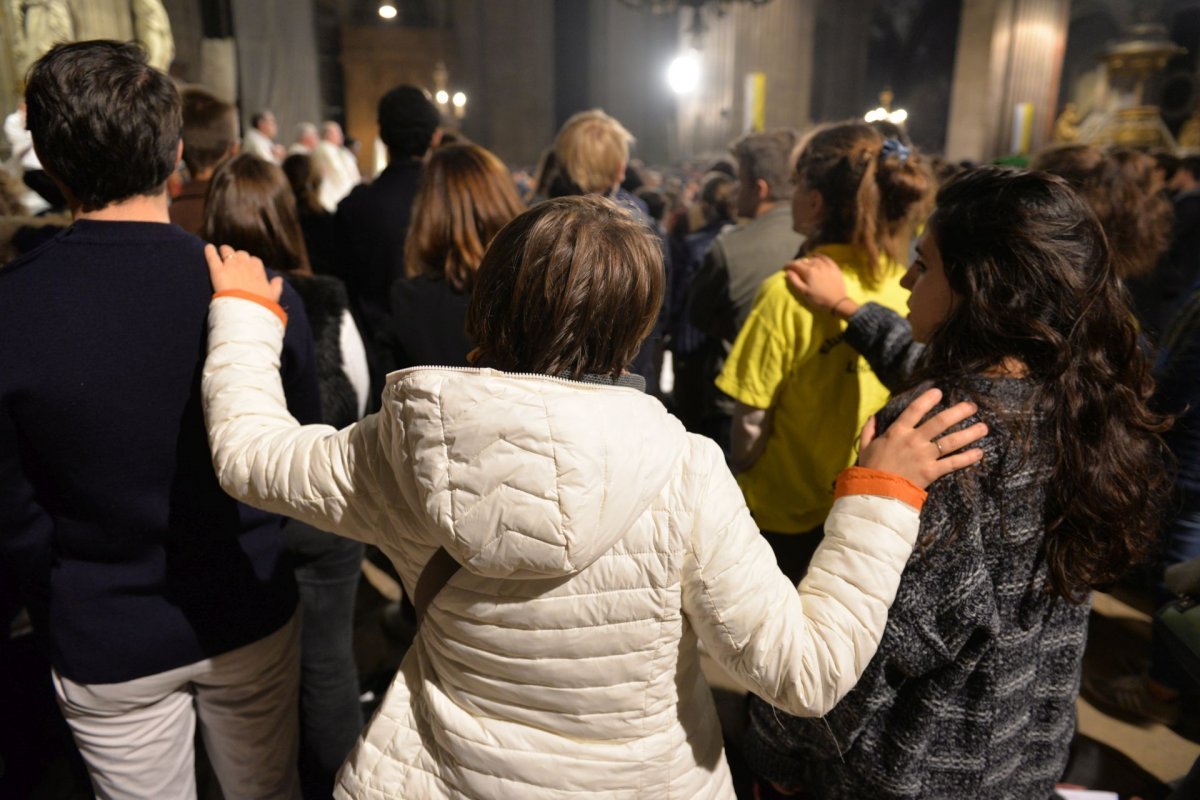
237, 270
920, 451
817, 282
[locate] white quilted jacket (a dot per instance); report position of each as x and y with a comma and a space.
599, 542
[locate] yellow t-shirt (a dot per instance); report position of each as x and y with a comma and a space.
820, 389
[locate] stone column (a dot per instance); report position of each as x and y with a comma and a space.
1009, 52
776, 40
506, 67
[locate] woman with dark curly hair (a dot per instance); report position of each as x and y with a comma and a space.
1123, 189
972, 691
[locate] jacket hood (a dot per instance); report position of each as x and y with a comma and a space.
527, 476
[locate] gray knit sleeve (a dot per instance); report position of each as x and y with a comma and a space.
885, 339
944, 620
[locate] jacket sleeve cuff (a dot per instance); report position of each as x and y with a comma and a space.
860, 480
270, 305
869, 323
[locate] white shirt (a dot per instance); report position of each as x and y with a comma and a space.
256, 143
339, 173
21, 140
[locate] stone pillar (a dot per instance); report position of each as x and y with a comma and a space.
776, 40
1009, 52
627, 56
840, 60
506, 67
277, 62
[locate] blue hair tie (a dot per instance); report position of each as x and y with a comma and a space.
893, 147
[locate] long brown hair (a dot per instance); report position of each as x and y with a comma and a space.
305, 179
1121, 187
250, 207
873, 198
466, 195
1030, 265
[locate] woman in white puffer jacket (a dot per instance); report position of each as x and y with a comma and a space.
598, 541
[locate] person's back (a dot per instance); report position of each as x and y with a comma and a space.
209, 137
801, 390
372, 221
427, 323
972, 692
591, 153
164, 600
973, 687
466, 196
742, 257
565, 542
100, 375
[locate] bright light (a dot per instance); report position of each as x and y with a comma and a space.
459, 99
896, 117
442, 97
683, 76
387, 11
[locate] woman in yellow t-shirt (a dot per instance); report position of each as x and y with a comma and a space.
802, 393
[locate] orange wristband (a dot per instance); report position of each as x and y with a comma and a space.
270, 305
860, 480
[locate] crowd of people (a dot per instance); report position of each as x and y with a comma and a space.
864, 427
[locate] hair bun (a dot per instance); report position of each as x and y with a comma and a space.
905, 183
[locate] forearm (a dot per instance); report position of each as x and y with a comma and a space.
802, 649
262, 456
884, 338
749, 432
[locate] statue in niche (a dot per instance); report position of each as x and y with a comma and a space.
1066, 127
38, 25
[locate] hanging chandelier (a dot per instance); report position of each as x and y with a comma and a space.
698, 27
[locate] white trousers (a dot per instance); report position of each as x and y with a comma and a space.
137, 736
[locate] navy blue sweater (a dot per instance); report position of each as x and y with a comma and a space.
111, 518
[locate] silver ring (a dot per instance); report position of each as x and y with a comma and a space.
228, 256
938, 445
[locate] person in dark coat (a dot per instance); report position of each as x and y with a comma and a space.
168, 606
372, 222
465, 197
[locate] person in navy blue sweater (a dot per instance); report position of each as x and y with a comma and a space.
163, 599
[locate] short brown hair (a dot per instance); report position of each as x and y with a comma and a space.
591, 148
570, 287
767, 156
465, 197
104, 122
210, 129
250, 207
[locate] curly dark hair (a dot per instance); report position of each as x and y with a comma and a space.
1031, 266
1121, 187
